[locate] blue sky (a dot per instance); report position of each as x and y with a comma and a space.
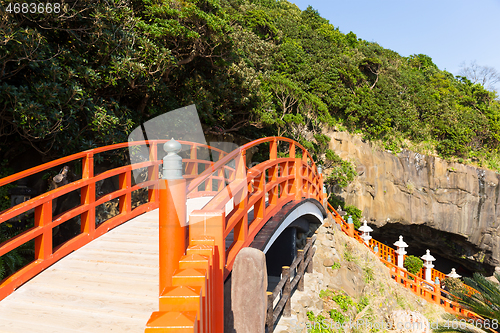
450, 32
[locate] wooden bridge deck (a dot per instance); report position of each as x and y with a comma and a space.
109, 285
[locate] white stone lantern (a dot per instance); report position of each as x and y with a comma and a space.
365, 232
428, 266
401, 245
453, 274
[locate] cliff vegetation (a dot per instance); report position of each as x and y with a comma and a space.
88, 75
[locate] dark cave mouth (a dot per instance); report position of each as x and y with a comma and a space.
450, 250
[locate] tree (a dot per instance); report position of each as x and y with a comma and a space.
484, 75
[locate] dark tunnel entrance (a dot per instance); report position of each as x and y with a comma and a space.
450, 250
282, 252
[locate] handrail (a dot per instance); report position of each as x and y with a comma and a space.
44, 221
94, 151
242, 150
303, 264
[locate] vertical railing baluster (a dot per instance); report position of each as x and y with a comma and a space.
309, 268
125, 183
301, 270
43, 243
241, 200
298, 164
270, 312
260, 205
287, 292
273, 149
87, 195
292, 150
153, 173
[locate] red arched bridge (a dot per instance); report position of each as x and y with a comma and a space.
108, 279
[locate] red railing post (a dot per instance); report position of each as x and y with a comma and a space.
273, 149
172, 214
297, 184
153, 173
321, 196
125, 182
88, 195
241, 200
43, 243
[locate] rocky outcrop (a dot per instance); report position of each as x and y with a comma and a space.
413, 189
342, 265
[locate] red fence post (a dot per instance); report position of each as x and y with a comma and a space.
43, 243
153, 173
88, 195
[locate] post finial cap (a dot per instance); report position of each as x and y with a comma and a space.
172, 146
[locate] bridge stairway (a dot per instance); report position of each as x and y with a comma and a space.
109, 285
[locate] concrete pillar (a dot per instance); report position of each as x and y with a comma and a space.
428, 266
401, 245
248, 291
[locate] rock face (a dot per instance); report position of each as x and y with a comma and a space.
410, 188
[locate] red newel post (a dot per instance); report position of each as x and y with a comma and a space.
173, 230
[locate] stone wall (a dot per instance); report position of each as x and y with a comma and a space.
410, 188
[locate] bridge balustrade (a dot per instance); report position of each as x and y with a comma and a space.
44, 222
415, 282
259, 192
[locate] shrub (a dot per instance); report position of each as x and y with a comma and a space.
355, 212
413, 264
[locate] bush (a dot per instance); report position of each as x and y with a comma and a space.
413, 264
355, 212
453, 285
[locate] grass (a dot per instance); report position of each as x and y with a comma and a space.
368, 274
410, 186
336, 265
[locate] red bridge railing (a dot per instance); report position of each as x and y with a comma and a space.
415, 282
44, 222
193, 299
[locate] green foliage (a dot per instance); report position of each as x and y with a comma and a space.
453, 285
344, 301
316, 323
485, 302
17, 258
356, 214
413, 264
338, 317
325, 293
363, 303
87, 78
368, 274
336, 265
4, 190
348, 255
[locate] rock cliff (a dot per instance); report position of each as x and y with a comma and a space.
450, 207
